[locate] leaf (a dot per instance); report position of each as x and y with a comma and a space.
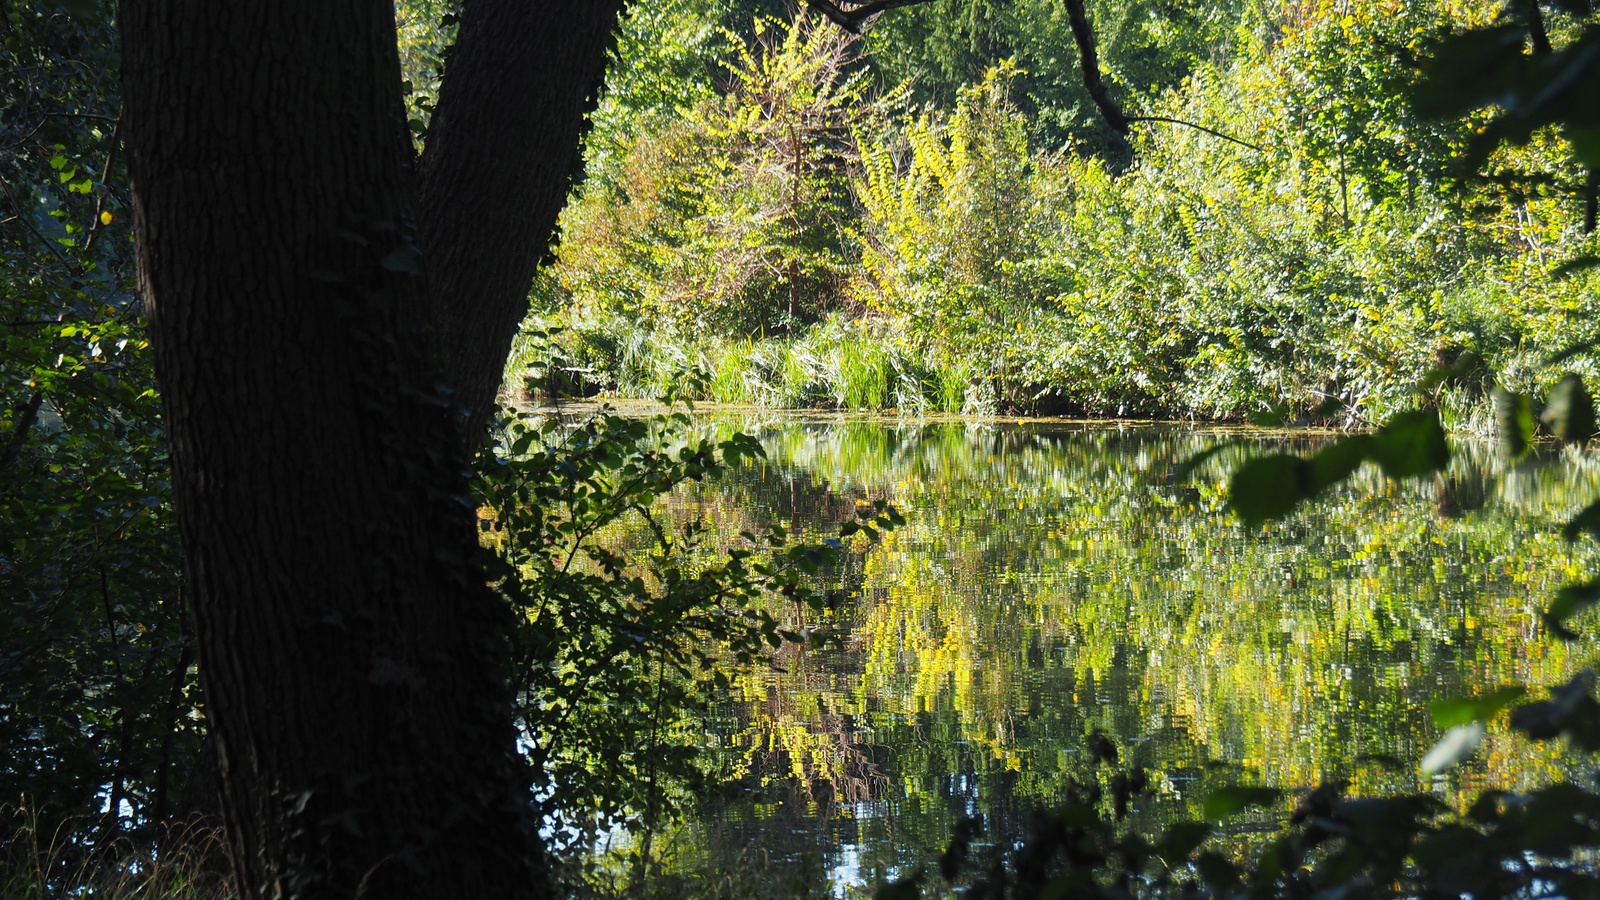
908, 888
1226, 801
1187, 466
1469, 71
1513, 414
1569, 601
1456, 745
1579, 263
1182, 839
1587, 521
1569, 410
1569, 352
1339, 460
1269, 487
1455, 711
1411, 444
1570, 711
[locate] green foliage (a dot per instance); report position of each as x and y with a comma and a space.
98, 728
615, 647
729, 218
1326, 264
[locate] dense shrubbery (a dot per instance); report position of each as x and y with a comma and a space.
1326, 250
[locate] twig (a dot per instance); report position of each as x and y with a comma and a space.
105, 174
1209, 131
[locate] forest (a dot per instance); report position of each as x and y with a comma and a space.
732, 448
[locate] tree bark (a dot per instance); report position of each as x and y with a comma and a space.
501, 152
349, 650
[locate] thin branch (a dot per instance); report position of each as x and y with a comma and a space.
19, 433
105, 176
67, 115
852, 20
1209, 131
1089, 62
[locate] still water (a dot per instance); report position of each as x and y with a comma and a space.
1053, 580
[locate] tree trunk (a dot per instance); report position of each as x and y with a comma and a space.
502, 149
349, 650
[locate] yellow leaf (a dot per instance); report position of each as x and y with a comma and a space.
105, 217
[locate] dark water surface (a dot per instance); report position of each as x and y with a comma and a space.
1053, 580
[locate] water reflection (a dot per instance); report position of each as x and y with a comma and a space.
1055, 580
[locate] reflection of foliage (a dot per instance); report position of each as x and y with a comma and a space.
615, 647
1050, 582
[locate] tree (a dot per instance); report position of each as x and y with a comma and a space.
311, 290
321, 304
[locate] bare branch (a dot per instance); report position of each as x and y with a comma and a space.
1209, 131
852, 20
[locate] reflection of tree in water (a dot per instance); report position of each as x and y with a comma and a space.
1053, 581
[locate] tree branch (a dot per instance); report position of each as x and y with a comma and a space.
1536, 29
852, 20
1089, 62
19, 432
1209, 131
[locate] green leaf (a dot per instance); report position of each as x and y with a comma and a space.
1411, 444
1573, 266
1569, 352
1513, 414
1587, 521
1569, 410
1569, 601
1455, 711
1470, 71
1189, 464
908, 888
1227, 801
1269, 487
1182, 839
1339, 460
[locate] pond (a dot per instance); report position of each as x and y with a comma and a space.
1053, 580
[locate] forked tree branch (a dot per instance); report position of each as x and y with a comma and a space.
853, 19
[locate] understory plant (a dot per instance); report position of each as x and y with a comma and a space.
624, 621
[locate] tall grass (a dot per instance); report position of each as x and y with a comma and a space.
838, 364
42, 856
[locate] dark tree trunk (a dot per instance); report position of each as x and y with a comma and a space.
348, 649
501, 151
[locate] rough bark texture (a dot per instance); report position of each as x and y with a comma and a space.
494, 176
349, 652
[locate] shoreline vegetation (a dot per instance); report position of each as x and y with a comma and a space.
795, 219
